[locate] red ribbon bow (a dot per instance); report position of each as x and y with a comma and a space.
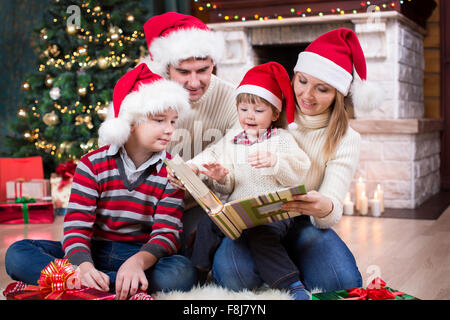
65, 170
375, 291
54, 278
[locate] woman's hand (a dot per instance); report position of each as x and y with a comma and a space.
262, 159
215, 171
91, 277
313, 204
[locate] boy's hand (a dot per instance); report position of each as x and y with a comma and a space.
216, 171
91, 277
262, 159
173, 180
131, 274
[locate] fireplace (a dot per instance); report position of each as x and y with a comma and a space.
400, 148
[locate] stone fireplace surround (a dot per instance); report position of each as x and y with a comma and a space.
400, 149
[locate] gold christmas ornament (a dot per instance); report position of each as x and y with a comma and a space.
102, 63
114, 33
130, 17
71, 29
48, 80
82, 91
102, 111
97, 8
50, 119
22, 113
26, 86
54, 50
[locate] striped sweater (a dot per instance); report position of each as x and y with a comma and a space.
104, 206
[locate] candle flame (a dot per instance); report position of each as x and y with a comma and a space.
378, 187
360, 179
347, 197
375, 195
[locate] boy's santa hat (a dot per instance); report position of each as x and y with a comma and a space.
172, 37
331, 58
271, 82
138, 94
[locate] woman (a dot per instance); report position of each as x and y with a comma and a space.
323, 76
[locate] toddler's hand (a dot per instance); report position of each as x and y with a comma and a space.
262, 159
91, 277
215, 171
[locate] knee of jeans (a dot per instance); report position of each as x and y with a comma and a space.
15, 256
226, 275
179, 274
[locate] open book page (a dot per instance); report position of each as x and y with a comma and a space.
194, 185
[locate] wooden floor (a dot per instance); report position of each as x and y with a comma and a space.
410, 255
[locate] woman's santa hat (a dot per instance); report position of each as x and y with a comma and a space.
271, 82
331, 58
172, 37
138, 94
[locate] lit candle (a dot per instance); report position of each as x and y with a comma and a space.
380, 196
360, 188
364, 205
375, 205
348, 205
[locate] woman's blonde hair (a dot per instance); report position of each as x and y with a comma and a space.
337, 126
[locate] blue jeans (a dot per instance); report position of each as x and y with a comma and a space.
324, 261
25, 259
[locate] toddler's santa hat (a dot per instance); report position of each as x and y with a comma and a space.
271, 82
173, 36
138, 94
331, 58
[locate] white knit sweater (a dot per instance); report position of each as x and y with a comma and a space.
207, 121
244, 180
331, 177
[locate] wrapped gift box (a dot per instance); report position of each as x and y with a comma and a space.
33, 293
60, 191
376, 290
35, 188
19, 168
37, 212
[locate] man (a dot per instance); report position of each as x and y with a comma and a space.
183, 49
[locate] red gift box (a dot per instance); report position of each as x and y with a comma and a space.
19, 168
34, 188
33, 293
37, 212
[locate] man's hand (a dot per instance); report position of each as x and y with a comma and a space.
91, 277
131, 274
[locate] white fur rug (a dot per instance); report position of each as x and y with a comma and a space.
214, 292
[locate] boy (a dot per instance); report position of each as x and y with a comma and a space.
260, 158
123, 221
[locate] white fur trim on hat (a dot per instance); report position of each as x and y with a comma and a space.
325, 70
149, 99
366, 95
184, 44
260, 92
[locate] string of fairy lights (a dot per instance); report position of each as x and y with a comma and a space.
114, 39
214, 8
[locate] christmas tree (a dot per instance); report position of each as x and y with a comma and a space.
84, 48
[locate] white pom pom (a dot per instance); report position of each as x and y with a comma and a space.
366, 96
292, 126
114, 131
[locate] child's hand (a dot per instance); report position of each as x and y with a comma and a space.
91, 277
215, 171
173, 180
262, 159
131, 274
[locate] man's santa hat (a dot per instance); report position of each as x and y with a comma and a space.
172, 37
271, 82
331, 58
138, 94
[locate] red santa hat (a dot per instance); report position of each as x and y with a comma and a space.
138, 94
271, 82
173, 36
331, 58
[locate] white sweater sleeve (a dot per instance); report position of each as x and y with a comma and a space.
339, 173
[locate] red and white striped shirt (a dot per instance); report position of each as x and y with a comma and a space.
103, 205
